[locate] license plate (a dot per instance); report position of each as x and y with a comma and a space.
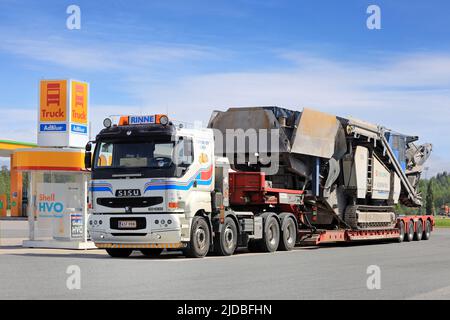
127, 224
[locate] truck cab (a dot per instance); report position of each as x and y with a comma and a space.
150, 178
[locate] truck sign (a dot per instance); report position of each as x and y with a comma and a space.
53, 101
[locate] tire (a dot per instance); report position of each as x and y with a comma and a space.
288, 236
151, 252
200, 239
419, 231
409, 235
225, 242
119, 253
402, 232
427, 230
271, 238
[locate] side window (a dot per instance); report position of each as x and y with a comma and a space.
105, 155
184, 152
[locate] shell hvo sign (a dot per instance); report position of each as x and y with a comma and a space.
63, 113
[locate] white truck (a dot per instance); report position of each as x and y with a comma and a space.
156, 185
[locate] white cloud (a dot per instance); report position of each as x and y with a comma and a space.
409, 93
435, 165
113, 57
18, 124
341, 88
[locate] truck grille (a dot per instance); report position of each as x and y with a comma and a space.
139, 202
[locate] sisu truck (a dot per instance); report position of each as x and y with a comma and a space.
264, 178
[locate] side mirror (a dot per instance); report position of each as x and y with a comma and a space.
88, 160
88, 146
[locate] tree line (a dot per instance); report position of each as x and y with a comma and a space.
5, 182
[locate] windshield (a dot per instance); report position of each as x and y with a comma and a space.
144, 154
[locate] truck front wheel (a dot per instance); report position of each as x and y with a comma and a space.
200, 239
119, 253
225, 243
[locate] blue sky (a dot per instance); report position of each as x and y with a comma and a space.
190, 57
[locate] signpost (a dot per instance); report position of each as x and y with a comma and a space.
63, 113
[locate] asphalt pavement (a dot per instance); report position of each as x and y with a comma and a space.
415, 270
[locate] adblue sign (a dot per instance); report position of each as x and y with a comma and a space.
63, 113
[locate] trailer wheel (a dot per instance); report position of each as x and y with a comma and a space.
271, 238
402, 232
419, 231
200, 239
151, 252
226, 242
119, 253
288, 234
427, 230
409, 236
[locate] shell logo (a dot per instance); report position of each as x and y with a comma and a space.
203, 158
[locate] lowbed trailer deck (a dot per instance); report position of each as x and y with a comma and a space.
250, 189
420, 225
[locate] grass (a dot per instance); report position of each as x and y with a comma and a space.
442, 222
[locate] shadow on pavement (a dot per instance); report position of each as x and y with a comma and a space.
168, 255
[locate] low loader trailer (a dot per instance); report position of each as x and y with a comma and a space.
407, 227
262, 178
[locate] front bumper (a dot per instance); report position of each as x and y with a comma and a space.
163, 230
102, 245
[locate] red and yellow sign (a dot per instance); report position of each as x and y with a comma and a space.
53, 100
79, 108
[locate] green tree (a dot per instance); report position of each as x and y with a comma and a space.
5, 183
430, 198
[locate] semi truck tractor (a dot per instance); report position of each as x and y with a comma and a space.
262, 178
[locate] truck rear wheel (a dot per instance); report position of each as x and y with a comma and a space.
271, 237
200, 239
409, 236
419, 231
151, 252
225, 243
427, 230
119, 253
401, 228
288, 234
